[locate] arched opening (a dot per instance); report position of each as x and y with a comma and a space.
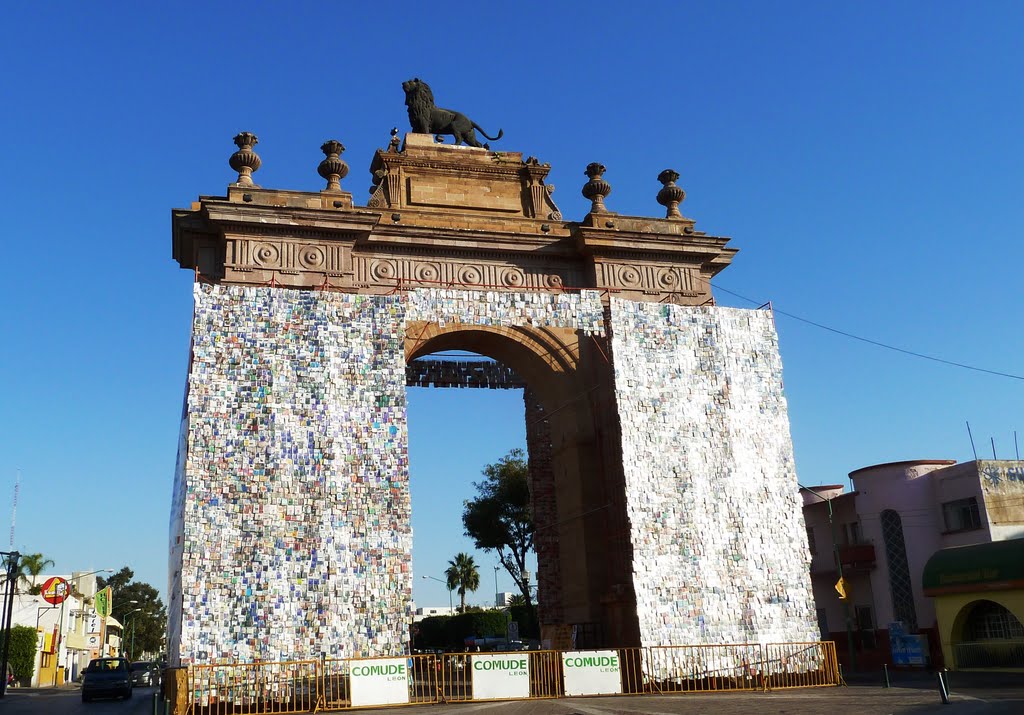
575, 553
986, 634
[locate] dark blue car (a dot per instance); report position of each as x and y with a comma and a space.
107, 678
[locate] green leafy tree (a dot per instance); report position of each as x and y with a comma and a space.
137, 606
498, 519
22, 655
462, 575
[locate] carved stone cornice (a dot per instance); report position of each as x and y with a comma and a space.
437, 234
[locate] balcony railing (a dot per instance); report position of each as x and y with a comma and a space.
853, 556
857, 554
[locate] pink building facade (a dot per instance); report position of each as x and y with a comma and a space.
897, 516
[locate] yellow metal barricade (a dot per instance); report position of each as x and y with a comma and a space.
456, 684
425, 679
326, 685
455, 674
334, 685
801, 665
546, 679
687, 669
290, 687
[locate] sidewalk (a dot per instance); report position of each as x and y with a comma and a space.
48, 690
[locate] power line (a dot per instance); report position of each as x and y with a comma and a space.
869, 341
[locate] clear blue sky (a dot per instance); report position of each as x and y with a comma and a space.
866, 158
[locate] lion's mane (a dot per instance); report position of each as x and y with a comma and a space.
420, 101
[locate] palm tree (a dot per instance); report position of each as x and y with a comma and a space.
517, 599
32, 565
462, 575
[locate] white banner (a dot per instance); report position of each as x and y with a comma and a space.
592, 672
500, 675
382, 681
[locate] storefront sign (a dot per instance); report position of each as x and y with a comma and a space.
382, 681
55, 590
592, 672
104, 602
500, 675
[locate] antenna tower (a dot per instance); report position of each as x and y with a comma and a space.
14, 507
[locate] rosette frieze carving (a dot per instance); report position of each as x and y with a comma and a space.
388, 271
247, 254
650, 278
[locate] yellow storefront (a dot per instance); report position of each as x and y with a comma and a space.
979, 604
49, 672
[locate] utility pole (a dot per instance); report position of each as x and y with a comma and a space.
11, 559
839, 568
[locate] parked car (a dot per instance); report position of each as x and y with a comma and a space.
146, 672
107, 677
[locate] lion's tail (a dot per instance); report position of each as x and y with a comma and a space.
493, 139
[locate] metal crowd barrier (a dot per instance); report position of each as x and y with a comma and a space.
801, 665
289, 687
990, 654
325, 685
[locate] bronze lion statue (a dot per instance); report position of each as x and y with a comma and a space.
427, 118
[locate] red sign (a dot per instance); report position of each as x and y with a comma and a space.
55, 590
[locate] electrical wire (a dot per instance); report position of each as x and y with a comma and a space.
862, 339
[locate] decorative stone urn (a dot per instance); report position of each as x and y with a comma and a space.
670, 195
597, 188
333, 168
245, 161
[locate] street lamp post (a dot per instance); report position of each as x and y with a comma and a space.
496, 585
839, 569
131, 652
451, 608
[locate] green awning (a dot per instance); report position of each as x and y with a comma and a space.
994, 566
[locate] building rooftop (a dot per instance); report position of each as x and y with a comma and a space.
905, 463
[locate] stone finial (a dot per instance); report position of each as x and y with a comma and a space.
333, 168
597, 188
245, 160
395, 141
670, 195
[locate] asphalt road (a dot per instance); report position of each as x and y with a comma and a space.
69, 702
858, 700
855, 700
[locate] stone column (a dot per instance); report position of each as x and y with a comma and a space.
544, 509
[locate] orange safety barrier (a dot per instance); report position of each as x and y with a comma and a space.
801, 665
326, 685
289, 687
686, 669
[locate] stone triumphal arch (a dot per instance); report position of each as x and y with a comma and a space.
661, 468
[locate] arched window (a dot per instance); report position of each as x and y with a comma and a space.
899, 571
992, 637
988, 621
